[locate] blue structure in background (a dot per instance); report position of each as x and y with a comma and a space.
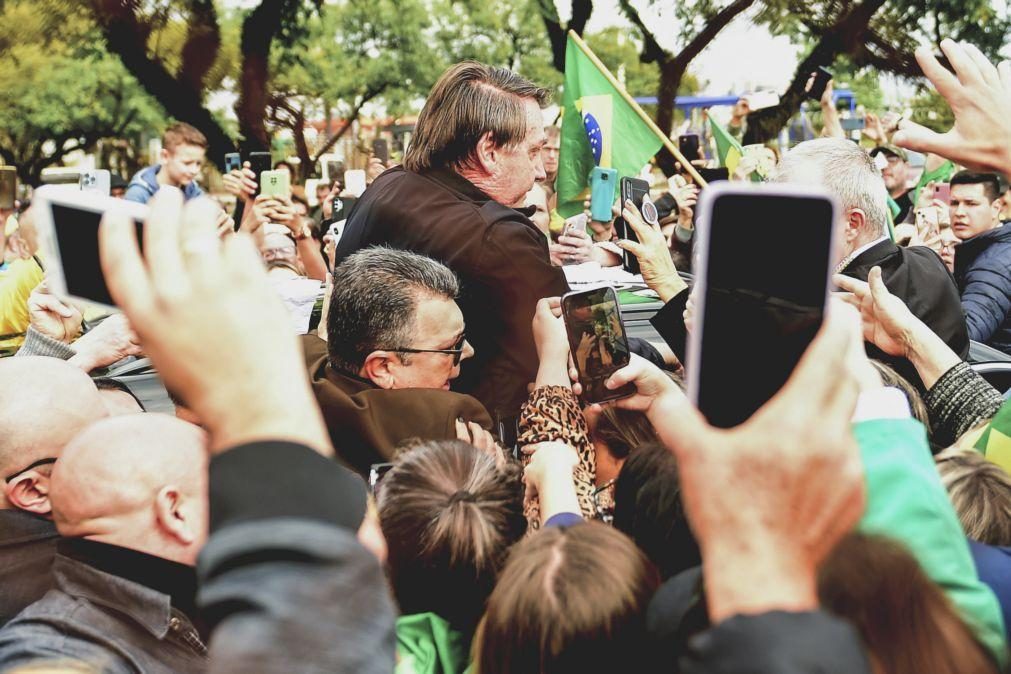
688, 103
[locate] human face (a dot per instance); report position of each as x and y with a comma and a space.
516, 168
538, 198
972, 213
549, 156
895, 174
947, 252
438, 324
181, 165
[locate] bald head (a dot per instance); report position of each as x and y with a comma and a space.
44, 402
138, 481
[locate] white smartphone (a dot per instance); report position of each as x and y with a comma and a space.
354, 181
98, 181
67, 220
763, 273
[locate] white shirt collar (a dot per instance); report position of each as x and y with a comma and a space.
855, 254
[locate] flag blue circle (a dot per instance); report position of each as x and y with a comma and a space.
594, 135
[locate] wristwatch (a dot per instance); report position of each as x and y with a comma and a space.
304, 233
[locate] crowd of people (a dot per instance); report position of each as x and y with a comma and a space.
218, 478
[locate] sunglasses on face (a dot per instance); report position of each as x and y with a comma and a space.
456, 351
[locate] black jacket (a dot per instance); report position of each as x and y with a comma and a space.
500, 257
983, 274
915, 275
27, 548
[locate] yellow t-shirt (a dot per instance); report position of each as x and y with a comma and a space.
17, 281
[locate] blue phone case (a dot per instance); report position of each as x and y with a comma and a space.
603, 182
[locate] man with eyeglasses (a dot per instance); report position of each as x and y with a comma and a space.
395, 340
44, 403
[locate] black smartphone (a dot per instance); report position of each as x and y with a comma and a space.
233, 161
758, 304
381, 150
259, 162
597, 341
335, 172
821, 77
689, 145
8, 187
630, 189
337, 209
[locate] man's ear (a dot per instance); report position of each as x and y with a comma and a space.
169, 511
163, 155
380, 368
486, 153
29, 491
855, 221
996, 206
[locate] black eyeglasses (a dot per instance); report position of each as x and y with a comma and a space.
40, 462
456, 351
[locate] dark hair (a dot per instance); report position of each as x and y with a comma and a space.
623, 430
569, 600
181, 133
989, 181
449, 515
375, 296
469, 100
288, 165
980, 492
904, 619
647, 507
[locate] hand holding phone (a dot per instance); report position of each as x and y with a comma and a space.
817, 83
634, 190
258, 163
275, 184
597, 341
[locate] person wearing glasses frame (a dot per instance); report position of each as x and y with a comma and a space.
395, 341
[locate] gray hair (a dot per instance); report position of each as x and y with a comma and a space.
375, 297
845, 170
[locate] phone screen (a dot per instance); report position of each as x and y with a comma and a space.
763, 301
688, 144
259, 162
632, 189
76, 231
233, 161
597, 340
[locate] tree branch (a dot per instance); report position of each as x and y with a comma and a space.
357, 110
652, 52
710, 31
203, 41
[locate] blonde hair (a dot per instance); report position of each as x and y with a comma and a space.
981, 493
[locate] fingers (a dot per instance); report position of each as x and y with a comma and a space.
877, 286
200, 239
461, 431
50, 303
122, 266
1004, 70
161, 241
918, 138
851, 285
965, 66
946, 83
632, 247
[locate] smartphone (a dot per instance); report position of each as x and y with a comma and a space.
98, 181
689, 146
355, 181
233, 161
631, 189
259, 162
597, 341
337, 209
376, 473
821, 77
381, 150
8, 187
853, 123
68, 221
274, 183
927, 222
602, 185
942, 192
758, 304
335, 172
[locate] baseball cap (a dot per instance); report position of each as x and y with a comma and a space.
892, 150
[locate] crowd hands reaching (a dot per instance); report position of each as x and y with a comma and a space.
241, 534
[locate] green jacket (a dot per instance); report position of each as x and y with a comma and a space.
907, 502
426, 644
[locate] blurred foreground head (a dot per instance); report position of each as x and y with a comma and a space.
44, 403
137, 481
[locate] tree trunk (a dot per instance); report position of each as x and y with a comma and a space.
845, 37
258, 32
671, 73
125, 37
557, 33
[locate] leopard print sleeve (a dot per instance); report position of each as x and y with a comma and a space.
553, 414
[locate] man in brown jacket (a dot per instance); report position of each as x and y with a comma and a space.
475, 153
395, 341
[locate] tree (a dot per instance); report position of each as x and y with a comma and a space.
579, 14
352, 54
871, 34
59, 93
699, 23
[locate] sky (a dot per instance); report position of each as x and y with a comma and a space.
742, 57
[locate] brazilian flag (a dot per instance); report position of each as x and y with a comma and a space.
728, 149
995, 439
600, 127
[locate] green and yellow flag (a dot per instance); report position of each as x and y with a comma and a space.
995, 440
599, 128
727, 147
